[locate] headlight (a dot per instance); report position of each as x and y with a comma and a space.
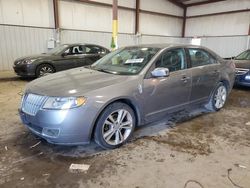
247, 77
29, 61
62, 103
25, 62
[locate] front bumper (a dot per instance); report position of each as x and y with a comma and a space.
63, 127
25, 70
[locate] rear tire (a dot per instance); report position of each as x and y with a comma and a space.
44, 69
114, 126
218, 98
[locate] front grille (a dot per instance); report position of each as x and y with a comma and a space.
32, 103
240, 71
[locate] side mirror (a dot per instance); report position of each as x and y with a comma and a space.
64, 54
160, 72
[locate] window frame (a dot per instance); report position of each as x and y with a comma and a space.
70, 48
201, 49
100, 49
152, 67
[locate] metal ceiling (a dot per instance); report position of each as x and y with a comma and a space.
188, 3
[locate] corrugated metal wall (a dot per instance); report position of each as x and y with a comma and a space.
226, 46
226, 34
80, 22
104, 39
16, 41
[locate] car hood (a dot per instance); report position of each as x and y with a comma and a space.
74, 82
245, 64
36, 57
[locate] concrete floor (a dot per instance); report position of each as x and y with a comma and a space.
203, 151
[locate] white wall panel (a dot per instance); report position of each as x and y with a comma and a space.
221, 25
223, 6
226, 46
103, 39
81, 16
127, 3
104, 1
146, 39
162, 6
85, 16
126, 21
124, 3
160, 25
1, 12
21, 41
27, 12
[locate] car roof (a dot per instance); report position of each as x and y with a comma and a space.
74, 44
167, 45
174, 45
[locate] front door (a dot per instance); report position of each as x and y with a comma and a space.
69, 58
170, 93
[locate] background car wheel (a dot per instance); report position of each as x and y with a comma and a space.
44, 69
115, 126
218, 98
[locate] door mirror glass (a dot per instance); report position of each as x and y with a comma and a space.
160, 72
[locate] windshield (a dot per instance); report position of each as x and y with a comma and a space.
58, 49
125, 61
244, 56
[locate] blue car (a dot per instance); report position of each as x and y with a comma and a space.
242, 64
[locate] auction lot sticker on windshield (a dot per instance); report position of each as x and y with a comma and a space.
140, 60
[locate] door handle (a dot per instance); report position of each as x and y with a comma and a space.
185, 78
215, 72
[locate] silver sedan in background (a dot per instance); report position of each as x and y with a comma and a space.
129, 87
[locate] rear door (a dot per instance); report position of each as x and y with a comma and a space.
205, 73
167, 94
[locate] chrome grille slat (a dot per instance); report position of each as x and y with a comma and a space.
32, 103
240, 71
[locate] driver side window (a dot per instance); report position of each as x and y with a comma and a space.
75, 50
174, 60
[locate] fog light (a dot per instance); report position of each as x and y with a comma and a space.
50, 132
247, 77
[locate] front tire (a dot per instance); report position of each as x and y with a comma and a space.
218, 98
44, 69
114, 126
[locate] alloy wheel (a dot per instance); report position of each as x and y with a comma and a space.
117, 127
220, 97
45, 70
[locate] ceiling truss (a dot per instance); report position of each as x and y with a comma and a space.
189, 3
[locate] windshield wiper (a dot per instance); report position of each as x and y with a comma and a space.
104, 70
88, 67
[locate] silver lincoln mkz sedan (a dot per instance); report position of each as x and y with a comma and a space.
128, 87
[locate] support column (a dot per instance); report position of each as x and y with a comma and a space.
56, 22
114, 44
184, 21
137, 16
248, 38
56, 15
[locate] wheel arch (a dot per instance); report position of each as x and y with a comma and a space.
129, 102
226, 83
44, 63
